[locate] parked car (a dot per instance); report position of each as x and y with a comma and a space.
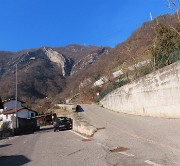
61, 123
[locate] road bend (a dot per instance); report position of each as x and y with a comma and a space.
121, 140
152, 140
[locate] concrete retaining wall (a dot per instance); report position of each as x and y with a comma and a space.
157, 94
80, 124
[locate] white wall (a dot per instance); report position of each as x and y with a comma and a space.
8, 105
7, 118
157, 94
25, 113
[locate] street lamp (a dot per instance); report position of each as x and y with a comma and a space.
16, 98
16, 91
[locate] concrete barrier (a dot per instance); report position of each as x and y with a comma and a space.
82, 126
156, 94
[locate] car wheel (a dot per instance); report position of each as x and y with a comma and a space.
54, 130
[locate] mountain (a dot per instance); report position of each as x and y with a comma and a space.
43, 71
58, 72
132, 57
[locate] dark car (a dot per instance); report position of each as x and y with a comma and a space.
61, 123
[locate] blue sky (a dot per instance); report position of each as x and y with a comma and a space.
35, 23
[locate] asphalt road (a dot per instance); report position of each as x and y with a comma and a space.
150, 141
48, 148
141, 141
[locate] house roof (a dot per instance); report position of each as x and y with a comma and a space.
4, 101
13, 111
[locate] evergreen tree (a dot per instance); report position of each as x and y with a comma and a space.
166, 49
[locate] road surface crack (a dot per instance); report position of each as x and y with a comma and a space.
75, 152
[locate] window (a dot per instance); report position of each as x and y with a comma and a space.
32, 114
6, 116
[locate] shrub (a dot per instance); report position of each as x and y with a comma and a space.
5, 126
112, 87
166, 49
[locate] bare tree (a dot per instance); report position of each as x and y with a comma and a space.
174, 5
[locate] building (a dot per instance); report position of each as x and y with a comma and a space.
100, 82
45, 119
117, 73
12, 111
1, 109
11, 104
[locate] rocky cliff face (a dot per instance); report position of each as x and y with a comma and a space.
43, 71
59, 59
49, 55
88, 60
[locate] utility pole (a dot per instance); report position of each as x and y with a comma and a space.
15, 118
16, 100
16, 94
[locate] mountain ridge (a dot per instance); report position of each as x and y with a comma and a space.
57, 72
42, 71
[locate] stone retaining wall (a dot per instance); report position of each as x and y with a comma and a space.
156, 94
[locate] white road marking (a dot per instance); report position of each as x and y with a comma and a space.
152, 163
84, 137
127, 154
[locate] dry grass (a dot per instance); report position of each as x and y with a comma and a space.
61, 112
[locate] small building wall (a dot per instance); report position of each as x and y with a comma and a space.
25, 113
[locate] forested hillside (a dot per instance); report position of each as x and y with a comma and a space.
63, 72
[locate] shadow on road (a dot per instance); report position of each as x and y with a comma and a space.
15, 160
45, 129
42, 130
79, 109
1, 146
26, 133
